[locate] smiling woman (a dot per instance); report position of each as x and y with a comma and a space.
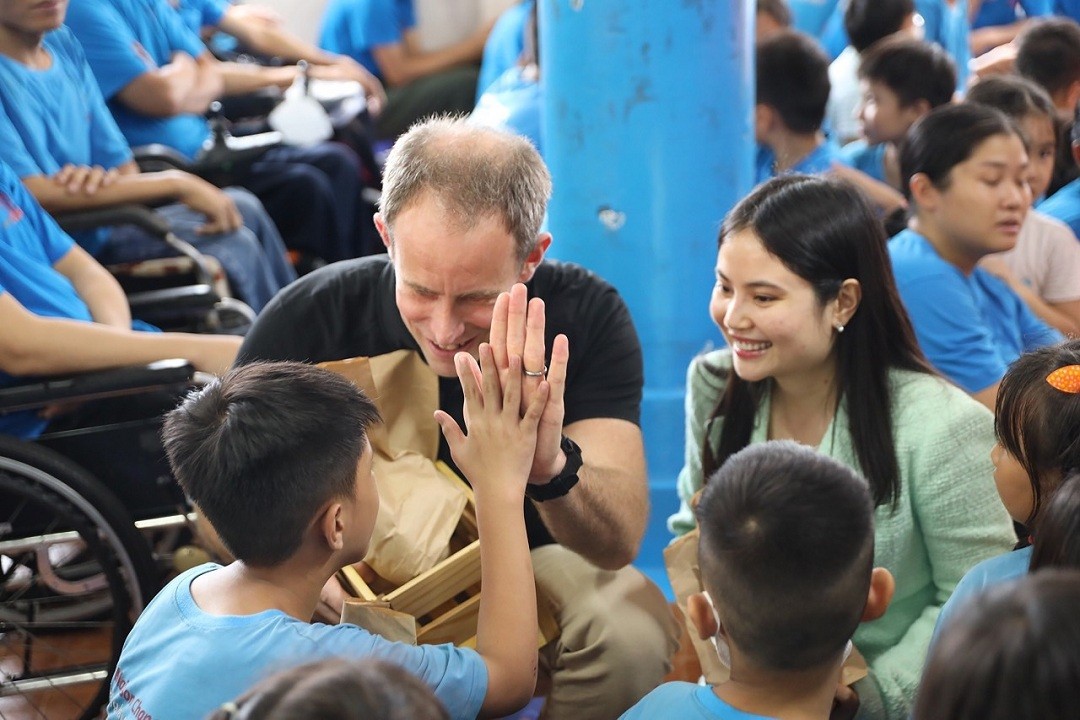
822, 352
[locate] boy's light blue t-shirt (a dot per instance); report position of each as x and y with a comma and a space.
1065, 203
504, 45
199, 14
949, 26
869, 159
1068, 8
969, 326
1003, 12
980, 578
819, 161
124, 39
181, 663
685, 701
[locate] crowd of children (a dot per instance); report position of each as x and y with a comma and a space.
895, 295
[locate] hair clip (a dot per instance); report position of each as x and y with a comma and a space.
1066, 379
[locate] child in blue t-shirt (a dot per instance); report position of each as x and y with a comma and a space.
1038, 416
276, 456
791, 93
965, 171
778, 521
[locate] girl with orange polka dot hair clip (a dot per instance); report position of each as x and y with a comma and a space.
1066, 379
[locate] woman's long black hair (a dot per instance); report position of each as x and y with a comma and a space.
825, 232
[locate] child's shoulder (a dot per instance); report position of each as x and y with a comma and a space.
686, 701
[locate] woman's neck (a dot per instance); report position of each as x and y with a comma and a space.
802, 407
929, 229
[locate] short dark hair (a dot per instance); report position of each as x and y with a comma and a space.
946, 137
1013, 655
1048, 52
867, 21
1038, 424
1015, 95
913, 69
338, 689
793, 78
261, 449
778, 10
1057, 543
786, 552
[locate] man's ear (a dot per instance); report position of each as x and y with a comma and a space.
384, 232
923, 192
534, 258
701, 616
331, 527
847, 300
882, 586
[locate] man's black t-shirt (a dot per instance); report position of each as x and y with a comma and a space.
347, 309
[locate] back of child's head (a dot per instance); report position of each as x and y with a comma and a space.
263, 448
1057, 543
1037, 422
1048, 52
777, 10
793, 79
867, 21
912, 69
337, 689
786, 553
1013, 655
946, 137
1014, 95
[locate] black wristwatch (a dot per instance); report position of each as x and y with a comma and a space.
561, 483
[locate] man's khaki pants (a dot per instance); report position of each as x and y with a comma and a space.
617, 636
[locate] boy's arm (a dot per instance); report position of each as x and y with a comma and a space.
97, 288
402, 62
496, 457
184, 85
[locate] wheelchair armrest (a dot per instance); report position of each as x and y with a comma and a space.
155, 157
129, 380
170, 301
137, 215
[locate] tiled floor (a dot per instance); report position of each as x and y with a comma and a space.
60, 704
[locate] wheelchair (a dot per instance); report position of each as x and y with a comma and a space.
83, 545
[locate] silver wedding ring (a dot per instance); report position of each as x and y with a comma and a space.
538, 373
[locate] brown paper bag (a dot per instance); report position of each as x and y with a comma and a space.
419, 506
681, 561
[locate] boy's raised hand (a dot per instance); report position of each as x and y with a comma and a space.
501, 442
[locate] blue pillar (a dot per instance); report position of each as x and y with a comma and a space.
647, 126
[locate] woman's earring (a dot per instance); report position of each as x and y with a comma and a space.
839, 327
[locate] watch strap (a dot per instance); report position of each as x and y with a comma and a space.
562, 483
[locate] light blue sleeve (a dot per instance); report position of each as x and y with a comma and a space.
13, 150
56, 242
114, 53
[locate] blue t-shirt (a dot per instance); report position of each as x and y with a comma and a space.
685, 701
823, 19
970, 326
1068, 8
504, 45
948, 26
197, 14
355, 27
180, 663
819, 161
513, 102
124, 39
869, 159
31, 243
50, 118
1065, 205
986, 574
1004, 12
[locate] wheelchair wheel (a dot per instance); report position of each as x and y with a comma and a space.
74, 575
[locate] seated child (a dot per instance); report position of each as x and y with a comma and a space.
1065, 203
1044, 267
866, 22
792, 89
276, 455
965, 171
1014, 655
902, 79
786, 557
1038, 413
337, 690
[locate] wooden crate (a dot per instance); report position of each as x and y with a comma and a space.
442, 604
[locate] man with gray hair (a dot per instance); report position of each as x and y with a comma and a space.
460, 216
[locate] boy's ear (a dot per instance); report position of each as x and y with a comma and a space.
700, 612
331, 528
882, 586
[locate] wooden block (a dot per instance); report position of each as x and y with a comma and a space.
379, 618
355, 584
442, 582
452, 626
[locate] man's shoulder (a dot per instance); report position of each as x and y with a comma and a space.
569, 285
